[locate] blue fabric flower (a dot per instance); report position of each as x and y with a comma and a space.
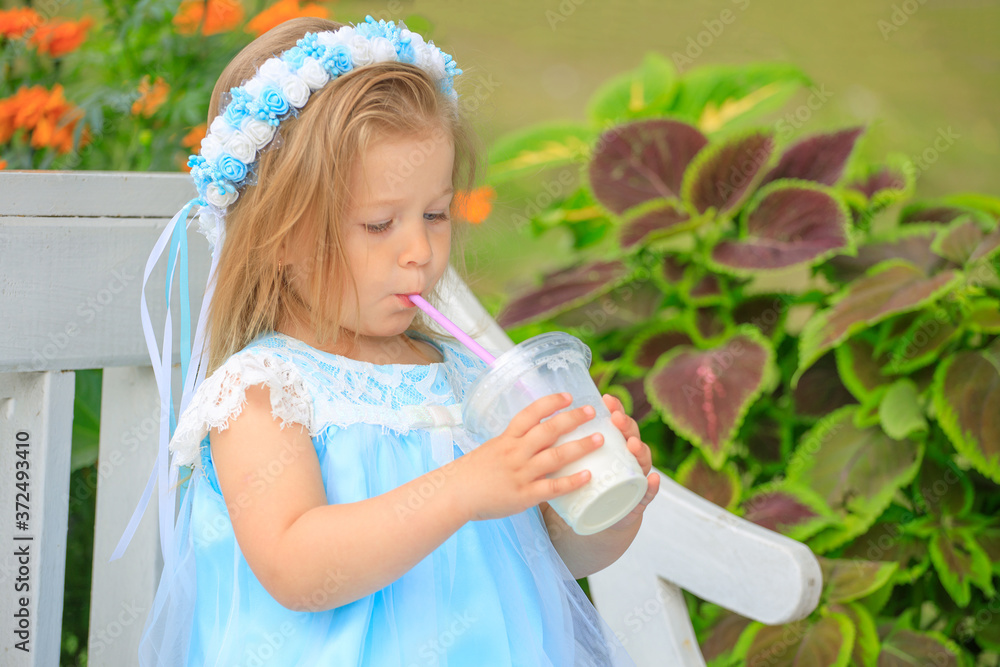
273, 102
337, 60
294, 57
232, 168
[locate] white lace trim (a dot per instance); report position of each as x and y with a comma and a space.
221, 397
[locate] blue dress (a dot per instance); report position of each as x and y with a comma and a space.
494, 593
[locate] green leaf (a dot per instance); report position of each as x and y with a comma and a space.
966, 395
899, 411
856, 471
960, 561
890, 541
860, 370
642, 161
983, 315
906, 648
943, 488
866, 644
642, 351
703, 395
826, 641
923, 342
86, 419
528, 152
724, 174
789, 509
789, 223
890, 288
849, 580
723, 636
722, 487
645, 91
716, 96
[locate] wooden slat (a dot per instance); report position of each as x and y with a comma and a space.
719, 557
70, 291
93, 193
39, 406
650, 618
124, 589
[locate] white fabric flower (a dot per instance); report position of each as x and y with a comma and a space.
295, 90
208, 225
217, 196
254, 87
211, 148
382, 50
342, 36
313, 74
241, 147
274, 70
259, 132
361, 50
221, 130
430, 60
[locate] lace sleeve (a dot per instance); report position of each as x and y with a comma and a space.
223, 395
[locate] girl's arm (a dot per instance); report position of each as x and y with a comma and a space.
310, 555
586, 554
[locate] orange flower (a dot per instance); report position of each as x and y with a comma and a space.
3, 164
218, 16
475, 206
46, 114
192, 139
150, 98
15, 22
282, 11
59, 37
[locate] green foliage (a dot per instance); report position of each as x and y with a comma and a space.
869, 429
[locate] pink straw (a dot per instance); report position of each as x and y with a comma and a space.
451, 328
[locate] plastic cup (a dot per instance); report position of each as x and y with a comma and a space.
551, 363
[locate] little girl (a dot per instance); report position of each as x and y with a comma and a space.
337, 512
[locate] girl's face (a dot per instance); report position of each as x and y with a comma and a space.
397, 233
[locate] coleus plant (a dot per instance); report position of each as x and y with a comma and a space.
801, 342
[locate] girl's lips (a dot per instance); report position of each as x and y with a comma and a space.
406, 302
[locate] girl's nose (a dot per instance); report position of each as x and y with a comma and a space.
417, 247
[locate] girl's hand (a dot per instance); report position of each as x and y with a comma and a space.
639, 449
507, 474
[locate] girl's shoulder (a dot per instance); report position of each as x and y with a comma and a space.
222, 395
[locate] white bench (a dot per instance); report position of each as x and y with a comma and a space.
73, 246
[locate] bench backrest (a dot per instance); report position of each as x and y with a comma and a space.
73, 248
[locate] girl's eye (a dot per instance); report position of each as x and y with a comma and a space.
378, 229
434, 217
430, 217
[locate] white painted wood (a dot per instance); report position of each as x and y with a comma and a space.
71, 290
649, 616
129, 429
755, 572
39, 406
94, 193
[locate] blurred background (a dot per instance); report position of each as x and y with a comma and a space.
907, 70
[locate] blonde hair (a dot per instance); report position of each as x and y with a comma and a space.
301, 191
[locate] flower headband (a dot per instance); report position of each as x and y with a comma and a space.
282, 86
